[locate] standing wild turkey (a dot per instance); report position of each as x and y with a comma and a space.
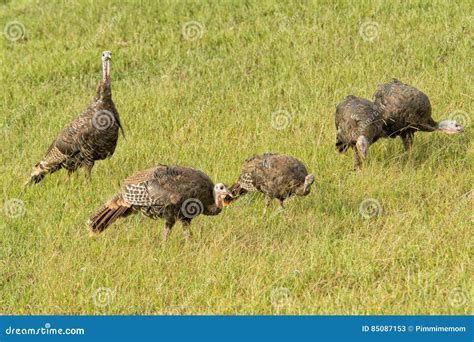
406, 110
358, 125
91, 136
276, 175
169, 192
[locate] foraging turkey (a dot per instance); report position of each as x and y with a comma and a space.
169, 192
276, 175
407, 110
90, 137
358, 125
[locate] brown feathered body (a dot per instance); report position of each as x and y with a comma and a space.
276, 175
357, 117
169, 192
90, 137
404, 109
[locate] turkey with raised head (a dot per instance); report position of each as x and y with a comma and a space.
169, 192
358, 125
276, 175
406, 110
90, 137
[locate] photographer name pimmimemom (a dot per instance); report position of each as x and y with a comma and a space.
411, 328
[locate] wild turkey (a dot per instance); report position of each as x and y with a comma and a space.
91, 136
276, 175
358, 125
407, 110
169, 192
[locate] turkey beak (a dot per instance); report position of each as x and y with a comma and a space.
227, 197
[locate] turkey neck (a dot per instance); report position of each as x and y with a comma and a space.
106, 70
104, 92
215, 208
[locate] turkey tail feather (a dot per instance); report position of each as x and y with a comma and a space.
109, 213
121, 129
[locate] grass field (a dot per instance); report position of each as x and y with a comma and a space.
208, 84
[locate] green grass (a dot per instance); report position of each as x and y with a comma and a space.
208, 103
